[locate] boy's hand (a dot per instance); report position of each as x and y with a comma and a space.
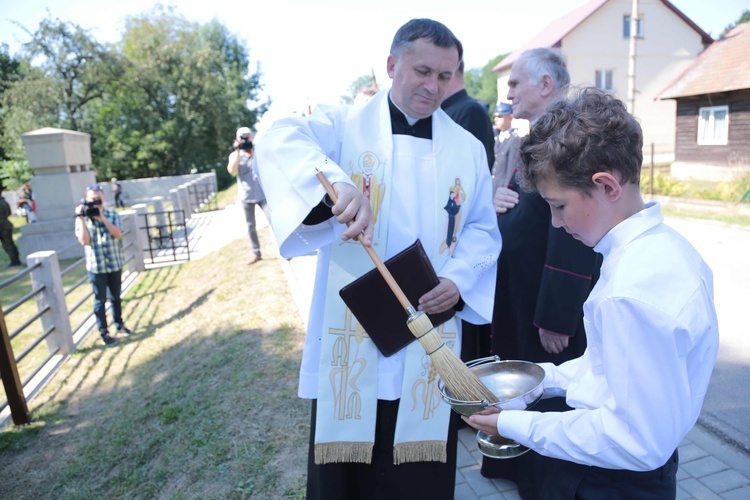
485, 420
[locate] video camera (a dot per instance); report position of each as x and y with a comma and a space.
91, 208
245, 143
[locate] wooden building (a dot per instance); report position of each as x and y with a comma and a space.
713, 111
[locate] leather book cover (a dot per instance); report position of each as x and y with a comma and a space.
378, 310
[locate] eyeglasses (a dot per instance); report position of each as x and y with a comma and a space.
97, 187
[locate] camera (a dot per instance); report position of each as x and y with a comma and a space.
91, 208
245, 143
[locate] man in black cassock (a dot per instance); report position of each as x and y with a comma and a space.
544, 274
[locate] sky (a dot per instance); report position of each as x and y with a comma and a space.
310, 51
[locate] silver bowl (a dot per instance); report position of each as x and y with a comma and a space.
498, 446
518, 385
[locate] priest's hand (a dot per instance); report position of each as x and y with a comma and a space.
485, 420
441, 298
553, 343
504, 199
353, 209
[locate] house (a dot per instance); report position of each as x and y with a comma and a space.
713, 111
595, 39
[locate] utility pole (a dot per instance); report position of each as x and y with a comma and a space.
631, 56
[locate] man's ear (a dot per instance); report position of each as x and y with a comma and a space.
609, 185
547, 86
391, 65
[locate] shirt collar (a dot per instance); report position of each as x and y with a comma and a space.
629, 229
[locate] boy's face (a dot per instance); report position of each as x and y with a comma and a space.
583, 216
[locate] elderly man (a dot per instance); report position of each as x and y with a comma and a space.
378, 429
544, 275
99, 230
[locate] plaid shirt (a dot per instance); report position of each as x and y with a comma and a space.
104, 254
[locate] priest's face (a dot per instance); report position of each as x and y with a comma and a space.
421, 75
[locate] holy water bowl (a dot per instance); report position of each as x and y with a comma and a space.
517, 385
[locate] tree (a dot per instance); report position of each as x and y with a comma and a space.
481, 83
185, 91
72, 73
76, 66
13, 167
356, 86
744, 17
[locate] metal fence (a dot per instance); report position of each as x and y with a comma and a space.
52, 317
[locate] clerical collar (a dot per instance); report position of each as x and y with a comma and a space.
401, 124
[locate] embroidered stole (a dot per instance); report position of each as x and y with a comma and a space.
348, 370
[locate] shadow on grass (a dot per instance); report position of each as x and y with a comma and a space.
199, 402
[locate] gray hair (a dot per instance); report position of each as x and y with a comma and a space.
432, 31
543, 61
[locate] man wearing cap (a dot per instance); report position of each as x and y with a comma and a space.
99, 230
506, 147
250, 192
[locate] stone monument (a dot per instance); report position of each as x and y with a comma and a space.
61, 161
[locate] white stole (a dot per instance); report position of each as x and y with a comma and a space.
348, 371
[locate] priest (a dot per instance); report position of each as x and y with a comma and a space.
379, 427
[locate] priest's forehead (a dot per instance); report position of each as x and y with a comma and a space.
432, 31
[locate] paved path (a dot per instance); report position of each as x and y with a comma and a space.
712, 461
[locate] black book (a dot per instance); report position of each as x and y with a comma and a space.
378, 310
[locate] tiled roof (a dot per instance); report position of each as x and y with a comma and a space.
552, 35
720, 68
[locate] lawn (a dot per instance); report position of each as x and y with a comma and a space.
199, 403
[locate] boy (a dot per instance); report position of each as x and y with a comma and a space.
650, 321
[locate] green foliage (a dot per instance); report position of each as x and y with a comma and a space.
184, 94
481, 83
165, 100
664, 184
744, 17
356, 86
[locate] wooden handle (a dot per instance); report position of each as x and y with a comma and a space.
387, 276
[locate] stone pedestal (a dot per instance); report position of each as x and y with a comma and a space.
61, 161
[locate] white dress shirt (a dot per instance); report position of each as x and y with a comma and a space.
652, 342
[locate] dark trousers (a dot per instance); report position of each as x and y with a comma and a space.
101, 283
6, 237
567, 480
382, 479
250, 219
118, 200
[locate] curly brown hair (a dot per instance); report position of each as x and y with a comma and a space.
576, 137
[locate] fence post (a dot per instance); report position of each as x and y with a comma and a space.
185, 204
53, 295
19, 410
175, 197
131, 241
161, 220
141, 210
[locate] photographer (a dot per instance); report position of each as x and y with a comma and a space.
99, 230
250, 193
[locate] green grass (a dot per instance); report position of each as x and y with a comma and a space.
199, 403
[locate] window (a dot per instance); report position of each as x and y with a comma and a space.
626, 27
713, 125
605, 80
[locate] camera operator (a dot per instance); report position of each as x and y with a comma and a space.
99, 230
249, 193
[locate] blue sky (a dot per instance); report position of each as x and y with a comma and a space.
311, 51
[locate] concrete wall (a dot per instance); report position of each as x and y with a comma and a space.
142, 190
